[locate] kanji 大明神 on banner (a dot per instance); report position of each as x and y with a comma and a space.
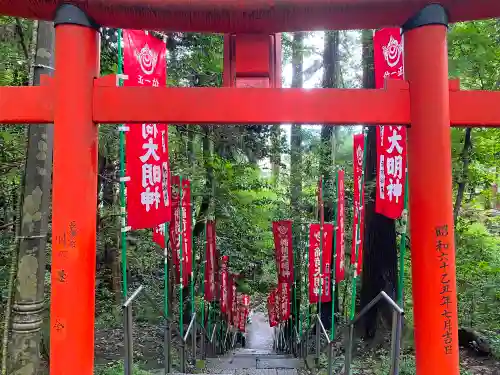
391, 140
148, 190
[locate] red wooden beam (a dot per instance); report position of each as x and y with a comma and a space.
251, 15
475, 108
21, 105
250, 106
25, 105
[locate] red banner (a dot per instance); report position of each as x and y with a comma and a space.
148, 200
236, 310
224, 293
159, 235
282, 231
244, 311
175, 228
387, 55
340, 245
233, 299
271, 308
358, 149
175, 225
284, 301
391, 140
187, 264
211, 262
315, 262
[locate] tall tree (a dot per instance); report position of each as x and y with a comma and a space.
296, 143
329, 136
24, 348
379, 243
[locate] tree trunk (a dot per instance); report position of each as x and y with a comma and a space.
296, 150
328, 149
24, 351
379, 244
463, 176
107, 220
275, 152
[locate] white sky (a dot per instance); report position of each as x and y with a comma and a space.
316, 41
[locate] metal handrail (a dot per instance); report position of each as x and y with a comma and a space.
133, 296
323, 329
373, 302
211, 340
192, 329
128, 320
297, 336
189, 327
398, 313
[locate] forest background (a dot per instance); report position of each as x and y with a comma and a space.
246, 177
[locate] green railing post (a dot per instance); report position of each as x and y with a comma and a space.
402, 246
357, 239
165, 303
296, 315
333, 276
308, 309
123, 203
202, 289
181, 301
321, 279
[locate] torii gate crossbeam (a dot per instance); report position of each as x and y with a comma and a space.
113, 105
75, 101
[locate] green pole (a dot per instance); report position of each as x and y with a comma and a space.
203, 265
357, 239
295, 304
334, 265
192, 268
165, 272
306, 292
402, 246
123, 207
209, 320
181, 259
321, 230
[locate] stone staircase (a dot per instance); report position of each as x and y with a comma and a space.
253, 362
257, 359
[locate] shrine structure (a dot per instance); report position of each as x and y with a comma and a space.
76, 100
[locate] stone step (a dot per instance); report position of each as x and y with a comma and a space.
241, 371
219, 365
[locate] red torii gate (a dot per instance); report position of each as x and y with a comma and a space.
75, 100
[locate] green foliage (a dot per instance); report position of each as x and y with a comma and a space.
116, 368
478, 275
228, 167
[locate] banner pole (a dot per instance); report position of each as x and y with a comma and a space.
308, 309
202, 289
334, 265
296, 318
402, 244
123, 204
193, 307
358, 230
322, 277
181, 260
165, 301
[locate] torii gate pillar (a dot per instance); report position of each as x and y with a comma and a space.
74, 194
430, 188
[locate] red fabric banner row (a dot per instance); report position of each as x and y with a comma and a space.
391, 140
